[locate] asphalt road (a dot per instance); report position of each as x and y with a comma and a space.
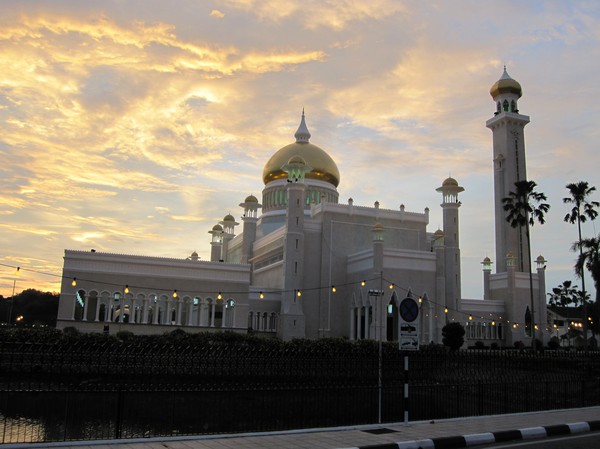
583, 441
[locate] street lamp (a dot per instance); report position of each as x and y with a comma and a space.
377, 294
12, 299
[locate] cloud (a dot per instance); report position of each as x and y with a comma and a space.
125, 129
216, 13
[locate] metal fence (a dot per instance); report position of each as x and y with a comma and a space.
82, 392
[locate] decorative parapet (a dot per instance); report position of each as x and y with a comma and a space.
367, 211
124, 264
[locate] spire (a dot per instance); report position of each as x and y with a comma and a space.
302, 135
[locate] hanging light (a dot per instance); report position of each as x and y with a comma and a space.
298, 293
445, 309
219, 296
420, 300
333, 289
470, 317
363, 283
175, 293
74, 283
126, 289
493, 323
261, 295
391, 286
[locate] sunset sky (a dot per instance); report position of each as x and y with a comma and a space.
134, 126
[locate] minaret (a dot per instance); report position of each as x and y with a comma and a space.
507, 127
216, 245
377, 331
292, 315
229, 225
487, 270
249, 218
439, 250
450, 204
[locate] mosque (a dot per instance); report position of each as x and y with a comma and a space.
303, 265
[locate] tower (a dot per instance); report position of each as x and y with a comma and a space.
216, 244
250, 217
507, 127
292, 315
229, 225
450, 205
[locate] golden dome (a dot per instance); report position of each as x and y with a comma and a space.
251, 199
438, 233
322, 166
450, 182
228, 217
506, 85
217, 228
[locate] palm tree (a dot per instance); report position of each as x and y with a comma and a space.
566, 295
589, 257
525, 206
580, 193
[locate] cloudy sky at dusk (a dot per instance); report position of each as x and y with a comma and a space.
134, 126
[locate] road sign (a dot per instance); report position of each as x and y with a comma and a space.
409, 310
409, 325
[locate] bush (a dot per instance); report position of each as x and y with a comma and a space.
494, 346
71, 331
125, 335
453, 336
479, 345
554, 344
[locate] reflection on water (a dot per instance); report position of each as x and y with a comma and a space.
20, 430
37, 416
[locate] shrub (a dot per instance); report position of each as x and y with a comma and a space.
554, 343
494, 346
71, 331
125, 335
479, 345
453, 336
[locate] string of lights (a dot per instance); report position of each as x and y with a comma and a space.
394, 286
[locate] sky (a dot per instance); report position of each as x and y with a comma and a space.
134, 126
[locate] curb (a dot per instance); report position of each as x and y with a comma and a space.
527, 433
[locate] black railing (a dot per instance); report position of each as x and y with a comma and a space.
111, 389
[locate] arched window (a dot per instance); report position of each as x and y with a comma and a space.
513, 106
505, 105
80, 300
230, 313
218, 305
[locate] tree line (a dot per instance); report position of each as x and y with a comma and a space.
29, 308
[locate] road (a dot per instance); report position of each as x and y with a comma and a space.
582, 441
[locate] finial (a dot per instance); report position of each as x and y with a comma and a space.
302, 135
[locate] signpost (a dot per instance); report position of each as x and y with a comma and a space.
409, 325
408, 340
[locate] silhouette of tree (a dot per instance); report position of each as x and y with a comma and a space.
581, 211
525, 206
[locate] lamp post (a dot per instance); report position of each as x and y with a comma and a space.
377, 294
12, 298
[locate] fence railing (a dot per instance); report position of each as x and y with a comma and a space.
82, 391
63, 415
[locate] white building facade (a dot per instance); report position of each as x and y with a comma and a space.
305, 266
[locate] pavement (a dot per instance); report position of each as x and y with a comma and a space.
447, 434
